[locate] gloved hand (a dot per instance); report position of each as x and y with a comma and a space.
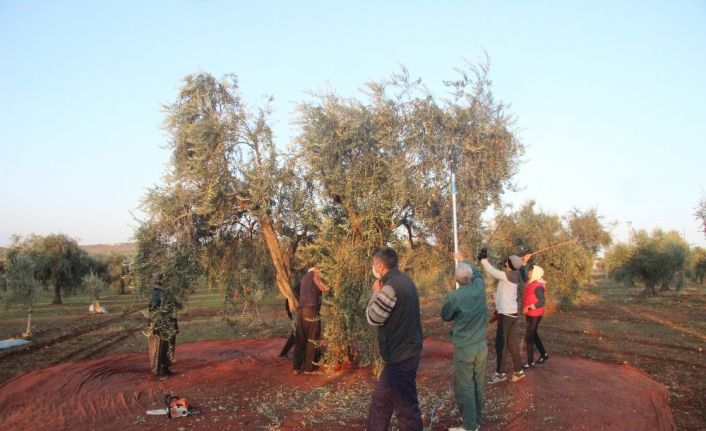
483, 254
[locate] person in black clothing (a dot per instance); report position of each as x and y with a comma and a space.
394, 310
162, 331
308, 330
293, 333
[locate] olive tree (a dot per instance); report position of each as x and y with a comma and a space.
228, 192
565, 247
22, 287
615, 263
58, 260
701, 213
117, 269
93, 285
382, 164
653, 260
3, 275
697, 264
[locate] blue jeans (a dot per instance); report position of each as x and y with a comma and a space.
396, 391
470, 363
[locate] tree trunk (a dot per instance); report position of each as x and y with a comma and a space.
122, 286
650, 290
410, 236
283, 267
679, 280
28, 332
356, 234
57, 294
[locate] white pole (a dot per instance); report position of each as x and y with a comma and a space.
453, 204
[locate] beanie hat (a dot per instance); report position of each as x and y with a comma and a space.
515, 262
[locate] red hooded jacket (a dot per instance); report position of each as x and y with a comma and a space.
530, 297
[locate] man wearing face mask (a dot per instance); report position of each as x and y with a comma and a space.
394, 310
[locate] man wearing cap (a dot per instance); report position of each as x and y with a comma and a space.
467, 307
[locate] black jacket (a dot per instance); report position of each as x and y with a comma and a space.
309, 293
400, 337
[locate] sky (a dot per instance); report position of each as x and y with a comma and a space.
608, 96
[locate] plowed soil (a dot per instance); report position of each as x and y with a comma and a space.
242, 385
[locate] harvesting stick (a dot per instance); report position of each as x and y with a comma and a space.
553, 246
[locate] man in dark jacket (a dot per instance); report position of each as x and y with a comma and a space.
163, 329
394, 309
308, 330
467, 307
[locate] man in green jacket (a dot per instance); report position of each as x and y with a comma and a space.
467, 307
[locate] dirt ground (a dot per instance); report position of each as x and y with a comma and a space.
662, 337
242, 385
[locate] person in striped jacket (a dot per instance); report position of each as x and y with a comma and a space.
394, 309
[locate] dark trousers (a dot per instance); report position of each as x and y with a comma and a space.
307, 339
288, 344
505, 340
160, 352
292, 334
396, 391
532, 337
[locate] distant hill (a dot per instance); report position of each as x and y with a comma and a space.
127, 248
122, 248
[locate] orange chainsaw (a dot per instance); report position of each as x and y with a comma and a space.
175, 408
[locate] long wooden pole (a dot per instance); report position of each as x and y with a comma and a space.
553, 246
